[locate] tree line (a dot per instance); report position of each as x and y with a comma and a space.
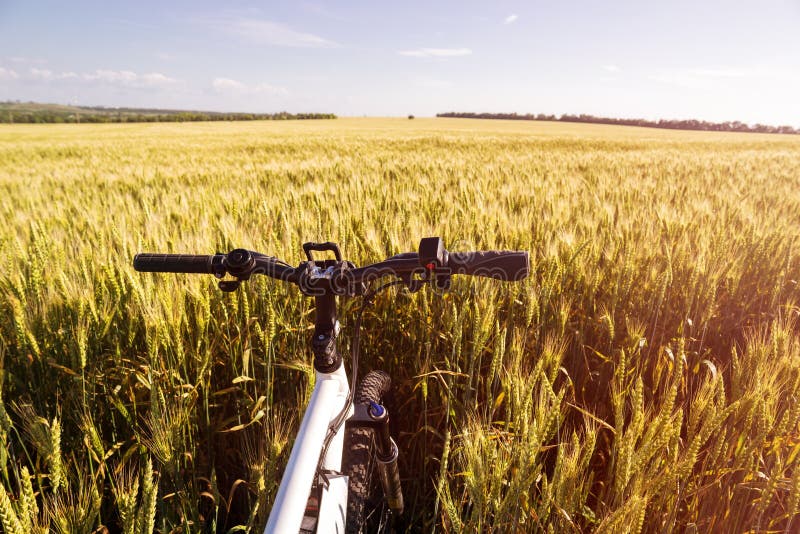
691, 124
109, 115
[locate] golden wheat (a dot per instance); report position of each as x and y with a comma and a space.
645, 377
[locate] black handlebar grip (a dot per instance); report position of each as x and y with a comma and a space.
173, 263
500, 264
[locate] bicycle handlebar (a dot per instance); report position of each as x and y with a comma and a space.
342, 277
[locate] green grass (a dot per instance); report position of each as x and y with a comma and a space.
645, 377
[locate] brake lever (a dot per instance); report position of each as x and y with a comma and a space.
440, 282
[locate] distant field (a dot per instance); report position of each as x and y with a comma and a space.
644, 378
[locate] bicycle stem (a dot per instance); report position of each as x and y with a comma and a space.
327, 358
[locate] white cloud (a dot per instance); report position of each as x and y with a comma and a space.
122, 78
227, 85
266, 32
510, 19
611, 68
156, 78
436, 52
41, 74
129, 78
111, 76
8, 74
47, 75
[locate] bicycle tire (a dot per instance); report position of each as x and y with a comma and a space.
364, 494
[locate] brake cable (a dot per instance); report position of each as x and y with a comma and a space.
336, 424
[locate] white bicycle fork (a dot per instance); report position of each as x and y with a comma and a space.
327, 400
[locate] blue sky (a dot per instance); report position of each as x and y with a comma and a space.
712, 60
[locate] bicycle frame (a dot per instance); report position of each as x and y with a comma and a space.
327, 400
330, 393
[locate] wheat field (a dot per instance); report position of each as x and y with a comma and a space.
644, 378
